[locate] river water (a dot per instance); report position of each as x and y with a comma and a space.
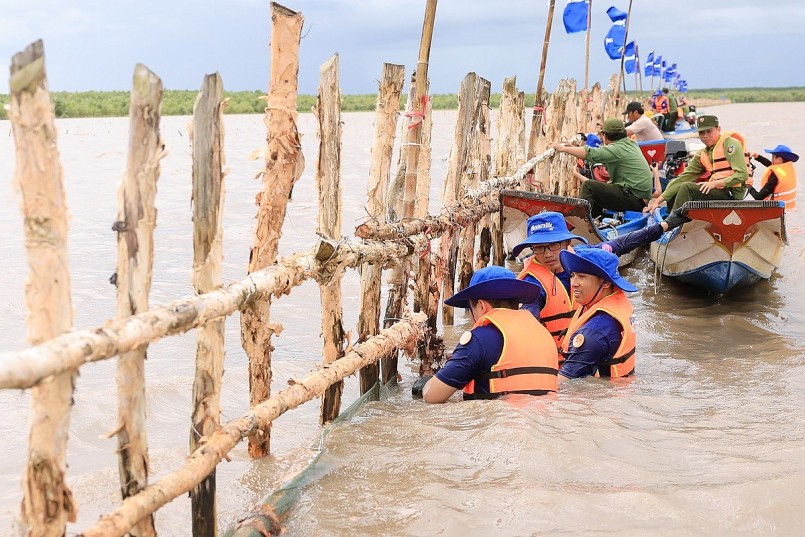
708, 439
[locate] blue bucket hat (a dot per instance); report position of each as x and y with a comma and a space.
490, 283
783, 151
597, 262
593, 140
545, 228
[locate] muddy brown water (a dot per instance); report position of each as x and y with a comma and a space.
708, 439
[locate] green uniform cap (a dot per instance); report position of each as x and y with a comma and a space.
613, 126
706, 122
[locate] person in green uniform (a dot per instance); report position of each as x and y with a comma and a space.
724, 180
673, 111
630, 177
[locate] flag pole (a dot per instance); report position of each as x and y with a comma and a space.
623, 55
536, 119
638, 76
587, 44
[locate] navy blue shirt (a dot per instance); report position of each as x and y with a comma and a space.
601, 338
470, 361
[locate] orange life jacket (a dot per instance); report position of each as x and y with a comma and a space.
622, 364
720, 167
786, 189
660, 104
558, 309
529, 362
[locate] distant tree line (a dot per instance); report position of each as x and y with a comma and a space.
180, 102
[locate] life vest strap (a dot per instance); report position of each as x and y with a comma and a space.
472, 396
565, 315
504, 373
622, 358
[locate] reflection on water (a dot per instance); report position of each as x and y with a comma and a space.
707, 439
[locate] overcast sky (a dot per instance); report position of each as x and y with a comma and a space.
95, 44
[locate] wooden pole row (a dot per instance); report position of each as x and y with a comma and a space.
214, 448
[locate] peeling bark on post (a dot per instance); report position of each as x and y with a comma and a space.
135, 251
562, 126
284, 165
402, 335
509, 150
328, 179
208, 197
388, 106
484, 163
47, 503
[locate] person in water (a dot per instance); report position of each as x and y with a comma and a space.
630, 177
779, 181
601, 337
507, 351
547, 237
717, 172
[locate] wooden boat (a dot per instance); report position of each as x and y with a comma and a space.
517, 206
727, 245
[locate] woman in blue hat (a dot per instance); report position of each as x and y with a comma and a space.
506, 352
779, 181
601, 337
547, 237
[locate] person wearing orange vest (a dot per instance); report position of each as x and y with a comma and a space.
601, 337
507, 351
547, 236
779, 181
717, 172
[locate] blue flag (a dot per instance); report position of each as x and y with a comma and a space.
649, 64
658, 65
630, 58
575, 16
613, 41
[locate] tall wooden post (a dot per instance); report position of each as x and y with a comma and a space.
388, 106
587, 45
623, 57
208, 198
328, 179
284, 165
47, 503
484, 164
398, 292
135, 251
539, 103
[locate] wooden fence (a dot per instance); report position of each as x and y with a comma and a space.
438, 249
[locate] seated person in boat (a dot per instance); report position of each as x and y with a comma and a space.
639, 126
507, 351
779, 181
547, 237
630, 177
717, 172
600, 340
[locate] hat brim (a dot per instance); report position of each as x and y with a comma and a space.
545, 238
574, 263
788, 155
498, 289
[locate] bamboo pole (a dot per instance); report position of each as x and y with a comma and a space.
27, 368
388, 106
284, 165
328, 179
539, 103
623, 58
399, 279
215, 447
587, 45
208, 197
509, 150
47, 503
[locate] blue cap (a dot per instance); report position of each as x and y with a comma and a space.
597, 262
783, 151
490, 283
593, 140
545, 228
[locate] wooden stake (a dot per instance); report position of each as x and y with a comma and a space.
208, 197
623, 58
388, 106
47, 503
284, 165
539, 103
328, 179
587, 45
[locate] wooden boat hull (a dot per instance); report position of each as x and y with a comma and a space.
517, 206
727, 245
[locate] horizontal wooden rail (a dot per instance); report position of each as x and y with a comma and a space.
471, 208
24, 369
213, 449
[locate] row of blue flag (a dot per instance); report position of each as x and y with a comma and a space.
575, 20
